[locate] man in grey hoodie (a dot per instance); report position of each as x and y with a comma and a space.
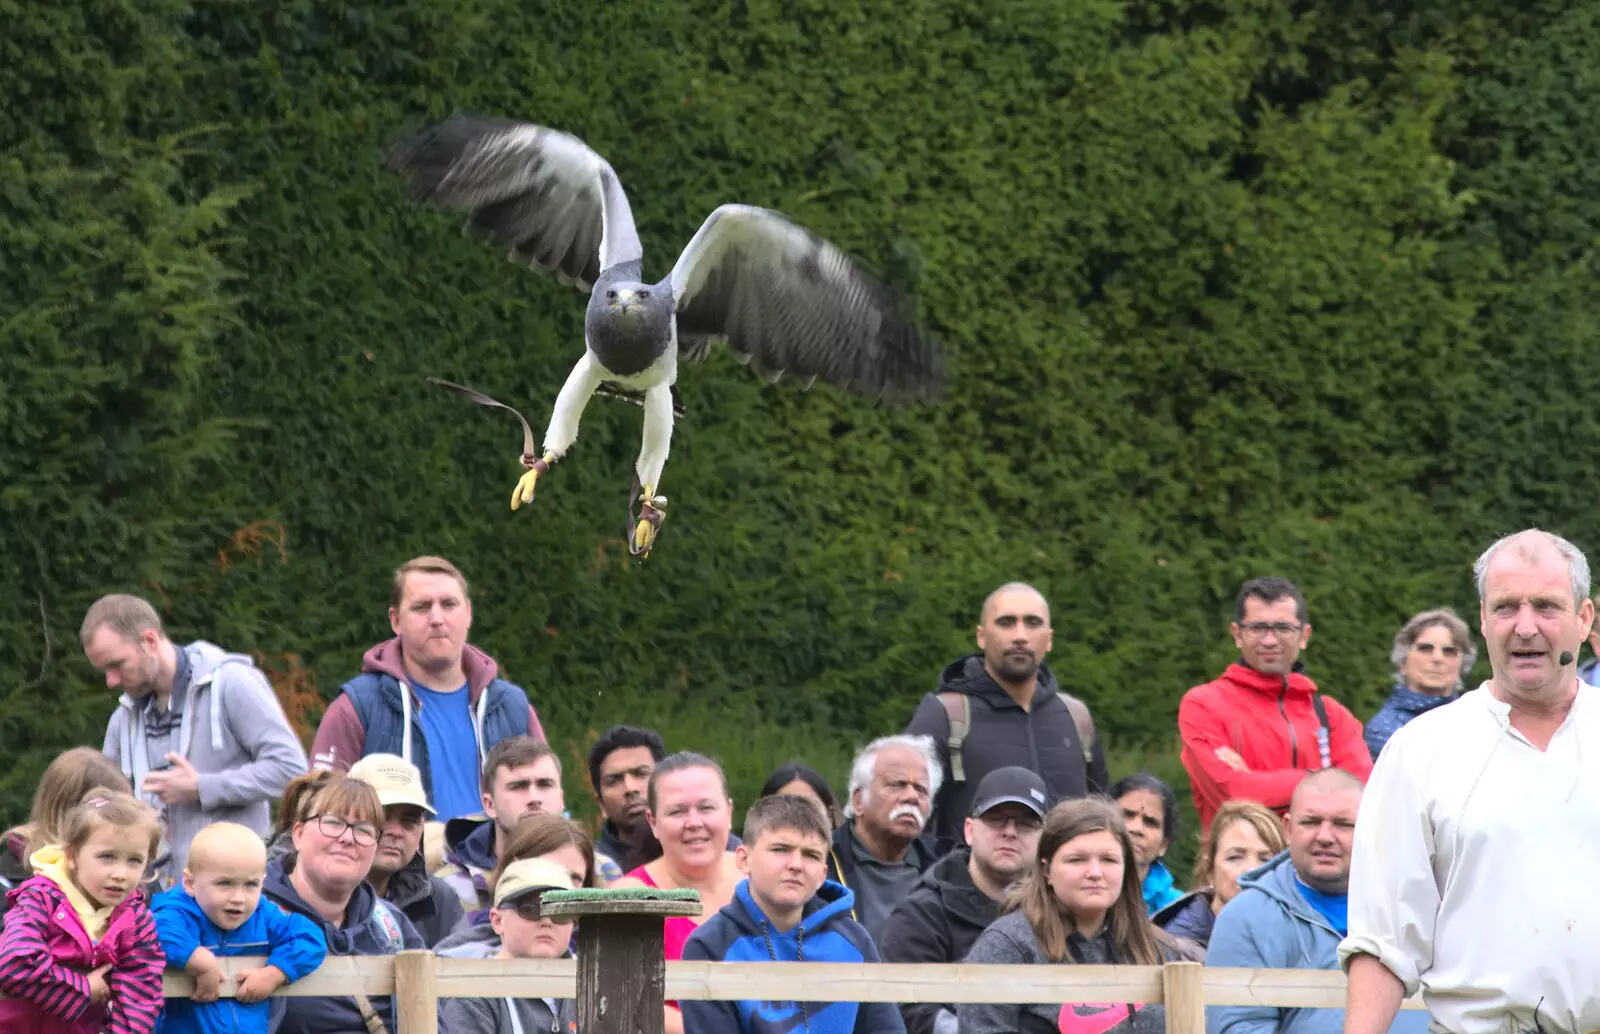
197, 731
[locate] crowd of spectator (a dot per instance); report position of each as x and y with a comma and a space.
432, 813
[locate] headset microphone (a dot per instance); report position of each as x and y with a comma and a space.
1565, 658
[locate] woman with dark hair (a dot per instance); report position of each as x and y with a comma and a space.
1150, 811
1079, 904
798, 779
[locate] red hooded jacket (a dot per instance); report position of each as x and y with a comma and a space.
1272, 724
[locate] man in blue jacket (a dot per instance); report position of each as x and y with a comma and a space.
785, 911
1292, 912
427, 695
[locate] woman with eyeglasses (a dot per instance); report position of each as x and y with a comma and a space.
1431, 653
335, 829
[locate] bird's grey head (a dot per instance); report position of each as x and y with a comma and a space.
629, 323
633, 309
641, 303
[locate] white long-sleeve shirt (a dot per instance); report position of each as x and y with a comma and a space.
1476, 868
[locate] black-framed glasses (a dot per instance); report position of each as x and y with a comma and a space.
333, 827
1444, 651
1281, 629
1028, 823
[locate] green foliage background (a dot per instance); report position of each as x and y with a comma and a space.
1229, 288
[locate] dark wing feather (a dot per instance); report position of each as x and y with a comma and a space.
530, 451
541, 194
789, 302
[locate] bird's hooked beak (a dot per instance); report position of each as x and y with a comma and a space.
626, 301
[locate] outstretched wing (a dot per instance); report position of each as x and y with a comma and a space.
789, 302
543, 195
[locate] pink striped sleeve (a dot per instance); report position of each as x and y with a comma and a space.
136, 980
27, 969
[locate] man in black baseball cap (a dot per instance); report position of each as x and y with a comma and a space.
963, 891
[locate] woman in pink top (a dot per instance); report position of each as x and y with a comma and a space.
690, 812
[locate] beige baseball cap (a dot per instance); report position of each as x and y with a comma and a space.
523, 877
396, 780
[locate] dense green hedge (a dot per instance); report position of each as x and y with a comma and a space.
1230, 288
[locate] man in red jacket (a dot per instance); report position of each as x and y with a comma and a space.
1259, 728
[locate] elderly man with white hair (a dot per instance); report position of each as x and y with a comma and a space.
1471, 875
880, 853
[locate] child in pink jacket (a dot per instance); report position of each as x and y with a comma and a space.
80, 954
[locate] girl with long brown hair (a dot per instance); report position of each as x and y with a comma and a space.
1079, 903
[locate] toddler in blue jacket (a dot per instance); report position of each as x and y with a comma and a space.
217, 912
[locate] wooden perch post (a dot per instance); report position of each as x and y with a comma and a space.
622, 972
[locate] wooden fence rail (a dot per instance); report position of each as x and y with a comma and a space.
1185, 987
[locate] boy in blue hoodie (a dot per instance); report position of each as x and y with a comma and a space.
786, 910
217, 912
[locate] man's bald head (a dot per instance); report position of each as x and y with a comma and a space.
1014, 634
1326, 781
1321, 828
1011, 594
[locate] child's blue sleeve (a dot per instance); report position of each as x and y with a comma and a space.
177, 925
294, 943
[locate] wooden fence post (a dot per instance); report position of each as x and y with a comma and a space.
416, 997
622, 970
1183, 987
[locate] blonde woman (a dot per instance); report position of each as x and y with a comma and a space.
1245, 835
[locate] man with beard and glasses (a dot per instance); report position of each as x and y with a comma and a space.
1002, 706
198, 731
962, 893
879, 853
1258, 728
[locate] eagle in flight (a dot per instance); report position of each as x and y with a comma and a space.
785, 300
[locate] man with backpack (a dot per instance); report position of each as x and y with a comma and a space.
1001, 706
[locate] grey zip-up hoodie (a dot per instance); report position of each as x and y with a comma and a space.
499, 1015
1010, 940
233, 731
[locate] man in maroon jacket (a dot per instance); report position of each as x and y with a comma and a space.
1260, 727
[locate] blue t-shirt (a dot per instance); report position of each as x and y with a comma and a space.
1335, 908
446, 720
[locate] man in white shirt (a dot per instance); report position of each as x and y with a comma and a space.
1470, 876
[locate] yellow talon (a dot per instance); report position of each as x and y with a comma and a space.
523, 493
649, 524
